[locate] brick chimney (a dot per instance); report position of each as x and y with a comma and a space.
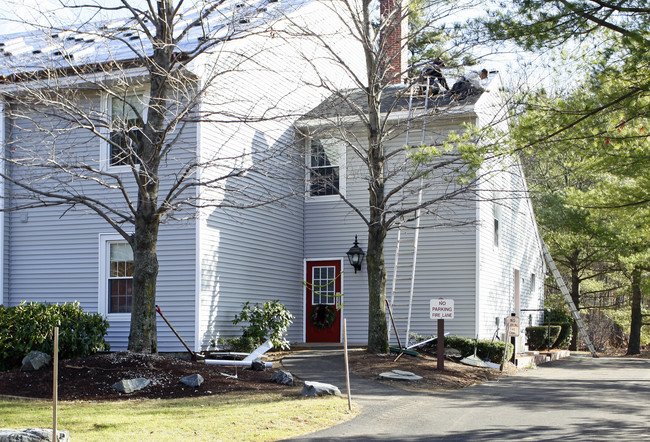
393, 40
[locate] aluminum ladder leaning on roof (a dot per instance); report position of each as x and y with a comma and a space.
412, 243
567, 296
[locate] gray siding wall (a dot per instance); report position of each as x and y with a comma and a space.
256, 254
518, 249
445, 263
53, 252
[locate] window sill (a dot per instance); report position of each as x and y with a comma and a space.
118, 316
323, 198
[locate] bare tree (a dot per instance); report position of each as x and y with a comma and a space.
371, 121
161, 69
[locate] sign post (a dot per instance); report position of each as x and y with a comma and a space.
512, 330
441, 309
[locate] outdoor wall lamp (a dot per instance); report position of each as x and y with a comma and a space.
355, 255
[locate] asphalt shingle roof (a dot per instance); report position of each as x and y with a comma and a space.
124, 39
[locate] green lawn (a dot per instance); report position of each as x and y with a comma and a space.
230, 417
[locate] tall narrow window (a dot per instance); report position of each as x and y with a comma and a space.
325, 162
120, 277
533, 283
496, 213
127, 115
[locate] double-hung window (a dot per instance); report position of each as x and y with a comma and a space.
326, 174
115, 277
127, 114
120, 277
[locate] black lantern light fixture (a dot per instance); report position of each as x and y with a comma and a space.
355, 255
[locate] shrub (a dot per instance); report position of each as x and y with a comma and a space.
564, 338
270, 321
484, 348
564, 319
537, 337
558, 315
30, 326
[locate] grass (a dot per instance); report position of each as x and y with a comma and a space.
231, 417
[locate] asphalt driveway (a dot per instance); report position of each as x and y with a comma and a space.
579, 398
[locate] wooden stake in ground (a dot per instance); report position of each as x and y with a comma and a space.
347, 367
440, 349
55, 385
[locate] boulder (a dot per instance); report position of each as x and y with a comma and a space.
36, 360
400, 375
452, 353
258, 365
313, 389
32, 435
193, 380
127, 386
283, 378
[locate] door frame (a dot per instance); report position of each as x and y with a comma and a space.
304, 295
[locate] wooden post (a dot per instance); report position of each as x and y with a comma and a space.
440, 351
506, 339
347, 368
55, 384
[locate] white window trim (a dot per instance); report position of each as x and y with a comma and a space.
105, 148
102, 302
342, 174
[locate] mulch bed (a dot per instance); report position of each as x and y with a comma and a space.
91, 378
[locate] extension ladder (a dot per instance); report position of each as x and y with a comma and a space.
567, 296
406, 249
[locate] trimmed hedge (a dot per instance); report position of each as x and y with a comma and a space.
484, 348
564, 319
566, 333
537, 337
30, 326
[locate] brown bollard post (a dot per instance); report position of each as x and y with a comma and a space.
440, 351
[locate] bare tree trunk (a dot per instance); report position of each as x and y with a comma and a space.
143, 337
377, 328
575, 296
634, 344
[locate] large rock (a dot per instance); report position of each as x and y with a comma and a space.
313, 389
283, 378
452, 353
36, 360
400, 375
193, 380
32, 435
127, 386
258, 365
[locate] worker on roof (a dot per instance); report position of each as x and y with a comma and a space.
433, 73
470, 84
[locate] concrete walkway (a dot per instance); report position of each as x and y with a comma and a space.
579, 398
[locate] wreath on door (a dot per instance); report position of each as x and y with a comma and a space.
323, 315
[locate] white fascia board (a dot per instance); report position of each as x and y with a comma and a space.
100, 78
457, 114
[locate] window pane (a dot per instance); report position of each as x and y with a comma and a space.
126, 120
324, 181
324, 285
324, 152
325, 159
120, 281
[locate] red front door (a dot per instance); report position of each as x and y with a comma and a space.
323, 317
